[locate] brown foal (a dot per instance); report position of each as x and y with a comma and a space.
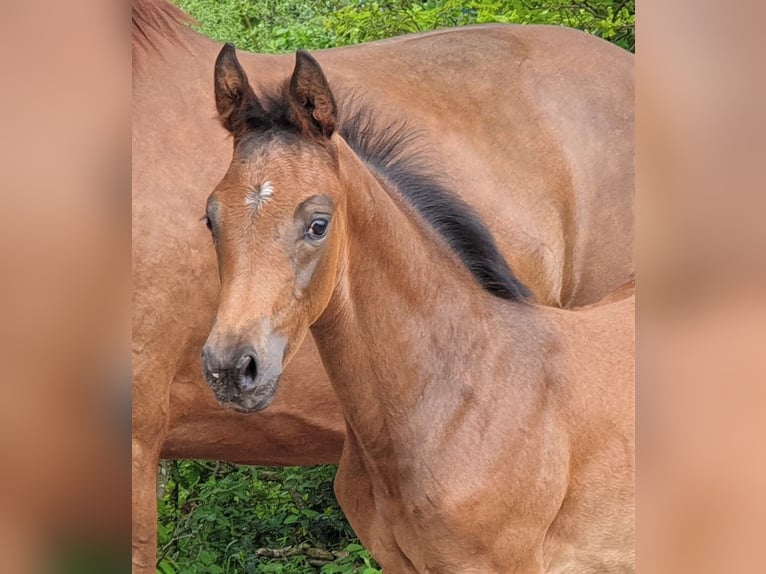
485, 433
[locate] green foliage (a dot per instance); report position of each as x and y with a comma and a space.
269, 26
214, 518
274, 26
364, 20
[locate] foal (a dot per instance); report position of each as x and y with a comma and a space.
484, 433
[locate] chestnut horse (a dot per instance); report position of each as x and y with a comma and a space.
532, 126
485, 433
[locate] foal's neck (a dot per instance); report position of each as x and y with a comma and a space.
406, 318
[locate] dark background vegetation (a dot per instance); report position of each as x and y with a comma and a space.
218, 518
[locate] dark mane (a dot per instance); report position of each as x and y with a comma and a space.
390, 152
152, 19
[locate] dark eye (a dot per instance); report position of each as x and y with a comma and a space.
207, 223
318, 228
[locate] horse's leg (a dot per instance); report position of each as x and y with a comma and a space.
151, 398
146, 457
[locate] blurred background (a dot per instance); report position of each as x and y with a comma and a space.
65, 287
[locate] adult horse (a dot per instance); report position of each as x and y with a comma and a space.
484, 433
532, 126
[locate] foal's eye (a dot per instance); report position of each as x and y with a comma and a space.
207, 223
318, 228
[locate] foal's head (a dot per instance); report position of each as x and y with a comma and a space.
276, 224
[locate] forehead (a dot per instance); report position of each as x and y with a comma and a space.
281, 151
270, 164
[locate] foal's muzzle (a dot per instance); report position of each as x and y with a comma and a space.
236, 379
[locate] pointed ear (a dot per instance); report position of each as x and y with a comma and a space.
233, 94
311, 100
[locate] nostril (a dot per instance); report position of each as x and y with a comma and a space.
249, 371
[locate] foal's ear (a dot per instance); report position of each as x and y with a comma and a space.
310, 97
233, 95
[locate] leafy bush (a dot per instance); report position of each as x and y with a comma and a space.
284, 25
218, 518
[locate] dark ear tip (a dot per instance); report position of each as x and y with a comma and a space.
228, 52
303, 57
